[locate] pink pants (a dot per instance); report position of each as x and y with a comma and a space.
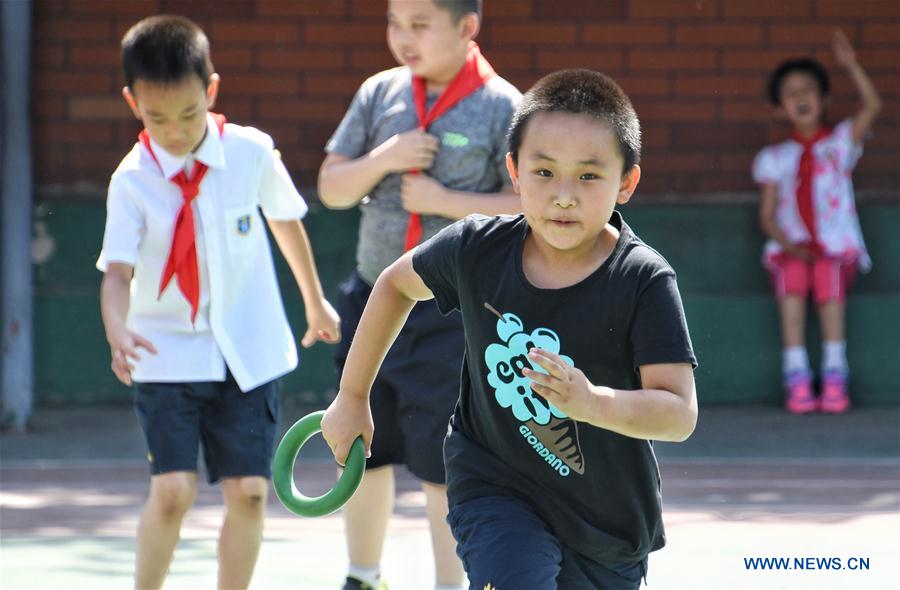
827, 277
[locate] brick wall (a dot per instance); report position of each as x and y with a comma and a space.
695, 70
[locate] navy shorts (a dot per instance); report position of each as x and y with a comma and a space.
235, 429
416, 389
503, 543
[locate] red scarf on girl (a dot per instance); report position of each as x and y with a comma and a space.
805, 172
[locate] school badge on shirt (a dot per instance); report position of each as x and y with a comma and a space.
454, 140
243, 224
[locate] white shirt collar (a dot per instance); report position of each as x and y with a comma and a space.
210, 152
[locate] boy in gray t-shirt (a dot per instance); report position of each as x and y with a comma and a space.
386, 135
471, 158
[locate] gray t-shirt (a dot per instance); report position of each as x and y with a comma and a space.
471, 157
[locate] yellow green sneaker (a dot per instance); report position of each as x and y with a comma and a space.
356, 584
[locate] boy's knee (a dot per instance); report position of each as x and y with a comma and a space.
173, 493
248, 493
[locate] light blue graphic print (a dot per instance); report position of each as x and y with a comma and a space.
506, 361
545, 428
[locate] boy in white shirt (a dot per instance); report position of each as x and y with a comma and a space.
189, 278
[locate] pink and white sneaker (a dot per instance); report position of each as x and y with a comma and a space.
834, 399
800, 398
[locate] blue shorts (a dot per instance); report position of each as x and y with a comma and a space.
503, 542
236, 429
416, 389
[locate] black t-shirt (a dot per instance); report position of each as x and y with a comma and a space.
598, 491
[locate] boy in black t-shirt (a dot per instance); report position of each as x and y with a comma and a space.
577, 355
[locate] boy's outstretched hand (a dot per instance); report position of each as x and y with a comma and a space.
124, 344
564, 386
322, 323
345, 419
843, 50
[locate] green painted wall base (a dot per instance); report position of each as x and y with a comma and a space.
715, 250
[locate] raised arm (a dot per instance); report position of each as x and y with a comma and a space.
393, 297
871, 101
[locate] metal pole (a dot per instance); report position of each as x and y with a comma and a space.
15, 173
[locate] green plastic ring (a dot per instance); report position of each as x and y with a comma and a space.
283, 471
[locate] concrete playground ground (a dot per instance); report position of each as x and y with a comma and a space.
751, 483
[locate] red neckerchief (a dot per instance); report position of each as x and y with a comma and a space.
182, 261
472, 76
805, 180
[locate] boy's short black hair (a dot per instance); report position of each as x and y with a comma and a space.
581, 91
805, 65
165, 49
459, 8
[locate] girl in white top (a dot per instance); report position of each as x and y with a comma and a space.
808, 212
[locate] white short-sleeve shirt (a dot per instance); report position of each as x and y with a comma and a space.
834, 203
241, 321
